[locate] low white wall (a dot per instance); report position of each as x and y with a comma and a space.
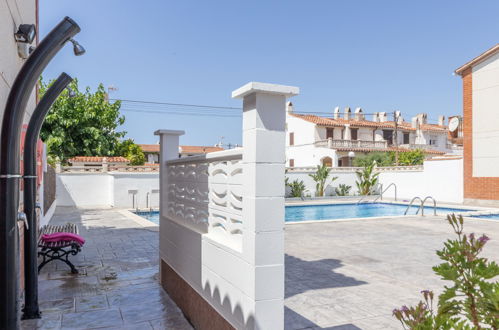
442, 179
106, 189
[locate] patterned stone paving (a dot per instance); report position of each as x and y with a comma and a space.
117, 287
339, 275
351, 274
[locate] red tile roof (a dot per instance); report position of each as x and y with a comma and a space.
198, 149
97, 159
340, 122
149, 147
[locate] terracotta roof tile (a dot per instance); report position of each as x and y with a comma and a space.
198, 149
340, 122
149, 147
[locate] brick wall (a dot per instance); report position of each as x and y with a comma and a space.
482, 188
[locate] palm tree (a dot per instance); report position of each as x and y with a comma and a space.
320, 177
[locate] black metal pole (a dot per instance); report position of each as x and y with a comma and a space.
10, 164
31, 310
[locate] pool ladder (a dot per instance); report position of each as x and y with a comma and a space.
421, 206
381, 194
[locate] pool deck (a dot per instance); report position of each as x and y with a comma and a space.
352, 274
339, 275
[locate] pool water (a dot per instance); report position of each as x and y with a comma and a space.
341, 211
487, 216
363, 210
152, 216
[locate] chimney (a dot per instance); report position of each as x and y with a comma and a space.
414, 122
359, 114
347, 113
399, 117
376, 117
422, 118
441, 120
336, 113
289, 107
382, 117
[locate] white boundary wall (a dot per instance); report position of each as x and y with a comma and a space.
112, 189
222, 215
442, 179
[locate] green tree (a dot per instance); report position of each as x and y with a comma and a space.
132, 152
297, 188
82, 125
413, 157
367, 179
320, 176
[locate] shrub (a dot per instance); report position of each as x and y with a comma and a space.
413, 157
297, 188
320, 176
472, 302
343, 190
367, 179
381, 158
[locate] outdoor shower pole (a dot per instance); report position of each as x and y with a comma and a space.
31, 310
10, 166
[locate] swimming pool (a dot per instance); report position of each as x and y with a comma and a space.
339, 211
487, 216
363, 210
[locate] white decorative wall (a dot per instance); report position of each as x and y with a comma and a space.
222, 214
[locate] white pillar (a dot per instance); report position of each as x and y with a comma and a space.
168, 150
347, 134
264, 111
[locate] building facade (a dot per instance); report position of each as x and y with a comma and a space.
480, 78
335, 141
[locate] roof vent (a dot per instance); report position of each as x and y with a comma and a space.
347, 113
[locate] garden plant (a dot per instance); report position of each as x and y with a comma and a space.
320, 177
472, 299
367, 179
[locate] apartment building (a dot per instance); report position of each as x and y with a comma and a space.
335, 141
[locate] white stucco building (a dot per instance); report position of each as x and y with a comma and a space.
312, 140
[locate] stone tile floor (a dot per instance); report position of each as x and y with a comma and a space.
352, 274
339, 275
117, 287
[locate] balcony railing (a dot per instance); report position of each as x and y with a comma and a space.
333, 144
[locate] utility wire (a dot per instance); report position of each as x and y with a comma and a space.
185, 109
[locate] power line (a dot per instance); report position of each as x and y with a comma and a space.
179, 104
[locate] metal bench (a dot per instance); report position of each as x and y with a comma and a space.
58, 250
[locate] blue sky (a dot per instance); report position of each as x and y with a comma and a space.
379, 55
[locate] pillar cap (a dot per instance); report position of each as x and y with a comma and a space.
258, 87
168, 132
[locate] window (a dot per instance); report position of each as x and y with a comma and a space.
406, 138
291, 139
354, 133
433, 142
388, 136
329, 133
291, 163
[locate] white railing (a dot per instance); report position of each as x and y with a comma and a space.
330, 143
205, 193
108, 168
